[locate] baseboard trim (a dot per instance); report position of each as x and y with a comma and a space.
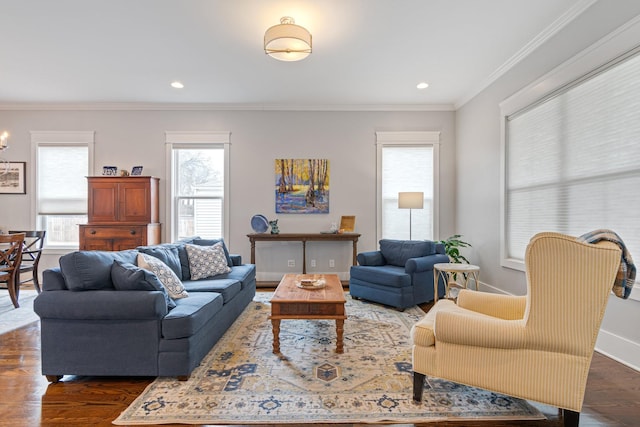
619, 349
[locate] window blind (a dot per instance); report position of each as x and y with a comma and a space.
407, 168
62, 184
573, 160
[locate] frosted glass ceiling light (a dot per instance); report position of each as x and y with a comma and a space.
287, 41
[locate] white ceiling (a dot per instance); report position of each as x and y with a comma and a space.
365, 52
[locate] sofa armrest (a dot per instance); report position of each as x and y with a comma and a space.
424, 263
465, 327
100, 305
235, 259
371, 258
53, 280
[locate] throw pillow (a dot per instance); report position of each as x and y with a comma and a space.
166, 253
211, 242
167, 277
207, 261
128, 277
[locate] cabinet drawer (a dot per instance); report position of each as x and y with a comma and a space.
112, 232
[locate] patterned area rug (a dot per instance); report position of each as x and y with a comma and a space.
13, 318
242, 382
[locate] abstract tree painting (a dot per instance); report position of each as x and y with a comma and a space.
302, 185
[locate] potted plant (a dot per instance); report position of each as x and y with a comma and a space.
452, 248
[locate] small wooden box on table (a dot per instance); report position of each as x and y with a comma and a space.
291, 302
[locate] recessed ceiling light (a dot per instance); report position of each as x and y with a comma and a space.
177, 85
422, 85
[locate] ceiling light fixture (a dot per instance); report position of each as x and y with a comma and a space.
177, 85
422, 85
287, 41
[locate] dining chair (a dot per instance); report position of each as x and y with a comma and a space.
31, 251
10, 257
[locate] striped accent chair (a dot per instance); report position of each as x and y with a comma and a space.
536, 347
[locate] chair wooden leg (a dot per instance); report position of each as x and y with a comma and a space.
12, 286
418, 386
571, 418
36, 282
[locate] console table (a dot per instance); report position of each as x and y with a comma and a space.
304, 238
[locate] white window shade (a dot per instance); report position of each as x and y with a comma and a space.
62, 185
573, 160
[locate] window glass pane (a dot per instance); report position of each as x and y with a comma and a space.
407, 168
62, 230
199, 192
573, 161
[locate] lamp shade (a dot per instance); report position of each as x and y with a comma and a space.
411, 200
287, 41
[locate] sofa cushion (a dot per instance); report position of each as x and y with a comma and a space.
245, 273
128, 277
207, 261
167, 253
229, 288
211, 242
91, 270
167, 277
191, 314
397, 252
387, 275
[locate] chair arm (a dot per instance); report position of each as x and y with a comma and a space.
235, 259
371, 258
100, 305
507, 307
425, 263
465, 327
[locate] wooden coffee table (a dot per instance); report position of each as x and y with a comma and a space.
291, 302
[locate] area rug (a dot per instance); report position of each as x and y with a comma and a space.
241, 381
13, 318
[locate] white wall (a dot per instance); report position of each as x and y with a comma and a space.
346, 138
478, 170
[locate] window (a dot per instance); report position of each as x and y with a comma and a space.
198, 163
572, 160
407, 162
63, 161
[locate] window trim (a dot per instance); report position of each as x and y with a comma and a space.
197, 139
409, 138
52, 139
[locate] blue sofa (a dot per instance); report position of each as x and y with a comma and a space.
89, 327
400, 274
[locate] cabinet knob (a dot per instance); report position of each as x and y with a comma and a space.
132, 232
92, 232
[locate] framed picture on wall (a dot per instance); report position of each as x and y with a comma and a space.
13, 177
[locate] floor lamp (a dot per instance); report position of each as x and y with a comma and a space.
411, 200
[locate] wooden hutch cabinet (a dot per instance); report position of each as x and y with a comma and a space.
123, 213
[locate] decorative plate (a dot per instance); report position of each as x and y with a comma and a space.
259, 223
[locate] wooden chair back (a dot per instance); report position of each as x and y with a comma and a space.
10, 258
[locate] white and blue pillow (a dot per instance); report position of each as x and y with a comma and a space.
165, 274
207, 261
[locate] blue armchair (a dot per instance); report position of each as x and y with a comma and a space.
400, 274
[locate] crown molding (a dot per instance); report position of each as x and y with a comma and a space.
134, 106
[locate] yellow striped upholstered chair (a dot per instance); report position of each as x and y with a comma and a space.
536, 347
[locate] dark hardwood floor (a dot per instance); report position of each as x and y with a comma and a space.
26, 399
